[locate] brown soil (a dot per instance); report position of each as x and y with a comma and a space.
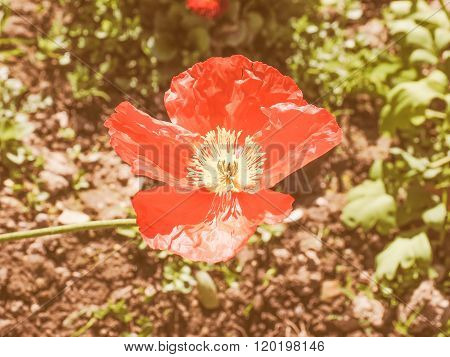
51, 286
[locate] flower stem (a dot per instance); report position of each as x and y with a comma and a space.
68, 228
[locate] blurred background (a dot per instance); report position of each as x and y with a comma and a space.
368, 253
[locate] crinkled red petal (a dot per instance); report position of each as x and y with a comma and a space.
228, 92
157, 149
265, 206
294, 136
202, 226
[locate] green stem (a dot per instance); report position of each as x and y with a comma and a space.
445, 202
68, 228
444, 7
440, 162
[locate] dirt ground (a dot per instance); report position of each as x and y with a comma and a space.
313, 280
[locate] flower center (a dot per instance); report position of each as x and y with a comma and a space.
221, 164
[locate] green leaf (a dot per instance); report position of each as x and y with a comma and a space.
129, 232
381, 74
430, 17
199, 36
442, 38
435, 217
255, 22
416, 200
376, 170
207, 290
438, 80
404, 253
237, 36
414, 163
420, 56
164, 48
401, 8
366, 188
369, 206
432, 173
420, 37
447, 99
408, 101
418, 120
400, 27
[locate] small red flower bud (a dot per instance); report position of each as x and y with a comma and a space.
207, 8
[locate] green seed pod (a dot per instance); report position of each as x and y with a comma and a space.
207, 290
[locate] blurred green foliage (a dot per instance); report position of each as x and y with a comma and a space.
415, 178
12, 118
9, 46
117, 310
178, 277
328, 53
16, 105
137, 46
265, 232
403, 264
369, 206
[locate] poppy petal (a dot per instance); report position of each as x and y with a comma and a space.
210, 242
152, 147
160, 209
207, 8
293, 137
228, 92
265, 206
202, 226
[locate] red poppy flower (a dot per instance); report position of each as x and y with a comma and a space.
207, 8
237, 128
